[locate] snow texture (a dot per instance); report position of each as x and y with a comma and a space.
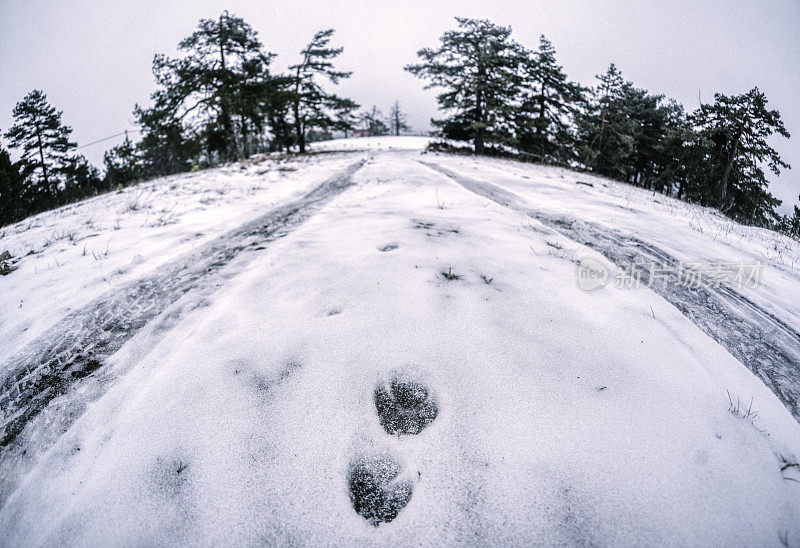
411, 362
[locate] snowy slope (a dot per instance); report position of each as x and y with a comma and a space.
76, 253
688, 232
239, 413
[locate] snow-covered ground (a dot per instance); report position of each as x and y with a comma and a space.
249, 411
687, 232
84, 250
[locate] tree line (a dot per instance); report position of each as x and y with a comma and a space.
508, 99
221, 100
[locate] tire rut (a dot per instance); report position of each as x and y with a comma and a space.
764, 343
80, 344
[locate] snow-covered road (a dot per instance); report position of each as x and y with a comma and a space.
411, 363
79, 344
722, 311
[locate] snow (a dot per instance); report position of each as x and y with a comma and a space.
374, 144
564, 416
81, 251
688, 232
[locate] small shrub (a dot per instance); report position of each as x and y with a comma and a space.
450, 276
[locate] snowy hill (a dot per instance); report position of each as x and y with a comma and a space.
371, 344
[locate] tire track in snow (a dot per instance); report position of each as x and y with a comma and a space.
78, 345
764, 343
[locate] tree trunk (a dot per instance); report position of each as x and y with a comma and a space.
479, 142
602, 128
481, 129
298, 123
41, 157
722, 189
299, 129
301, 138
234, 152
542, 105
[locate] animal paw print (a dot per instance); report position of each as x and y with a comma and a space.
404, 407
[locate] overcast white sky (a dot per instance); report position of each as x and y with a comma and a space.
93, 57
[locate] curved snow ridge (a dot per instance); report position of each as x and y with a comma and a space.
725, 315
80, 344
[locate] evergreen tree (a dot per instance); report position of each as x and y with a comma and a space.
219, 83
372, 121
122, 164
659, 130
397, 120
344, 116
12, 206
648, 129
44, 147
277, 103
549, 102
733, 143
312, 106
605, 131
627, 133
166, 146
477, 66
791, 224
81, 180
667, 165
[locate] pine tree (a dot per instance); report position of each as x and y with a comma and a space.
166, 146
605, 130
477, 66
344, 116
659, 130
734, 132
397, 120
44, 147
791, 225
312, 106
82, 179
122, 164
549, 102
277, 104
665, 165
626, 132
12, 205
372, 121
648, 129
219, 83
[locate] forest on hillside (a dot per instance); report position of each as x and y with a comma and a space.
223, 100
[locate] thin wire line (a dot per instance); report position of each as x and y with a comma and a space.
107, 138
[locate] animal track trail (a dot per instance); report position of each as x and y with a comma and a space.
404, 407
